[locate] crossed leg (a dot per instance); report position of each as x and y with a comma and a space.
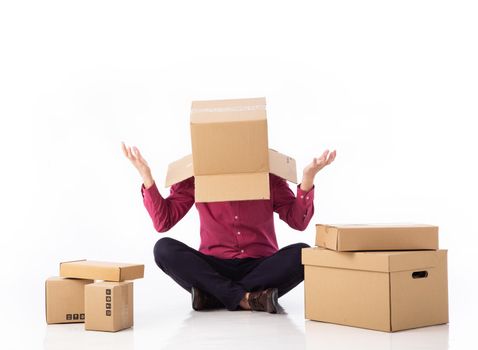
188, 267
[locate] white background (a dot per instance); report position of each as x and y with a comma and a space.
392, 85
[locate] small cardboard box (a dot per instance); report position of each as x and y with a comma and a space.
65, 300
230, 157
109, 306
101, 270
377, 237
386, 291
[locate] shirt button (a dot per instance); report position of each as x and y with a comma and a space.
307, 197
301, 196
235, 217
238, 232
242, 250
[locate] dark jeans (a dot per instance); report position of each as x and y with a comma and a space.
229, 279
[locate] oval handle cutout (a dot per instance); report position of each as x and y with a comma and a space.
420, 274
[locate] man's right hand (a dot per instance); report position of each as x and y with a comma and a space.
139, 163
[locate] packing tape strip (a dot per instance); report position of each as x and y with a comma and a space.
228, 109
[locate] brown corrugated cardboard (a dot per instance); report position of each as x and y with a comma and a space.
65, 300
179, 170
109, 306
101, 270
377, 237
229, 136
387, 291
282, 166
231, 186
230, 157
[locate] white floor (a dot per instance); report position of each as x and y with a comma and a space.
241, 330
171, 324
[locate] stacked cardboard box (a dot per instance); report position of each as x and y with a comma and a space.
382, 277
104, 305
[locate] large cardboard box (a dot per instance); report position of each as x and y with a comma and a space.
377, 237
230, 157
386, 291
109, 306
65, 300
101, 270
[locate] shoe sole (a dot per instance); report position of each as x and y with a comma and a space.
193, 299
275, 304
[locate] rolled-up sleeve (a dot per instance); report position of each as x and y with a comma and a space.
166, 212
296, 211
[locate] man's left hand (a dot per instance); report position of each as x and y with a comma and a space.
313, 168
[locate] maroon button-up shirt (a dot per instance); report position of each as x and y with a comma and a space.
233, 229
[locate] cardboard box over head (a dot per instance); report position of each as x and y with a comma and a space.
386, 291
230, 157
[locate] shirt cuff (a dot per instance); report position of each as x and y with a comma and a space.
305, 197
151, 193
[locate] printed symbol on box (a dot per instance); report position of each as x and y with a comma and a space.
108, 298
108, 292
68, 317
82, 316
108, 305
108, 312
75, 316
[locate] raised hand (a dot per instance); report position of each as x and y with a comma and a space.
314, 167
139, 163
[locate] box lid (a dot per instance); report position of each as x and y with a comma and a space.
179, 170
228, 187
282, 166
101, 270
380, 261
279, 164
360, 237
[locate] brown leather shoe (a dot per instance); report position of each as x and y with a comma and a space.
264, 300
203, 301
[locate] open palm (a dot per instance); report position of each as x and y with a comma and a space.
135, 157
319, 163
